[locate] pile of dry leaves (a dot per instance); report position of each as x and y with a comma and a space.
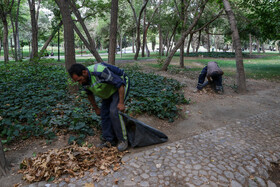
73, 160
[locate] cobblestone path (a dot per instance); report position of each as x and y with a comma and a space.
238, 154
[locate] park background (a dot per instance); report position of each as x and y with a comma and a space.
163, 43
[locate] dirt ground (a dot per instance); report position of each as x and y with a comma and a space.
205, 112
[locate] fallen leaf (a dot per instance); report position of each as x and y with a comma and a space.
73, 160
89, 185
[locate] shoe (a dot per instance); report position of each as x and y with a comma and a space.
220, 91
122, 145
106, 144
199, 87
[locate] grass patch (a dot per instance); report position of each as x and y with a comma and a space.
267, 67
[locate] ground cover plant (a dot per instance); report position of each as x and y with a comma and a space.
155, 95
35, 101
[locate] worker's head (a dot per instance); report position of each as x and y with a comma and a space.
78, 73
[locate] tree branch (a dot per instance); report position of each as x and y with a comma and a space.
208, 23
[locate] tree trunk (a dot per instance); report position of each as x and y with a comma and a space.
14, 23
184, 21
34, 25
198, 42
69, 45
208, 40
17, 32
144, 33
11, 46
189, 44
160, 33
147, 51
179, 43
15, 39
113, 32
3, 162
232, 43
90, 42
258, 46
121, 42
3, 15
241, 80
170, 43
250, 43
263, 49
133, 43
5, 40
160, 41
138, 22
138, 42
216, 43
182, 55
49, 39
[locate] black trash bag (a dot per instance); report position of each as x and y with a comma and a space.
139, 134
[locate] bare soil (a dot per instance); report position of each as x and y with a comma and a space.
206, 111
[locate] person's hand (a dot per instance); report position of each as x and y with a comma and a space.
97, 111
121, 107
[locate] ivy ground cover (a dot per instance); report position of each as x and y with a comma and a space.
35, 101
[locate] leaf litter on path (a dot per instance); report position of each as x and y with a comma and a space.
73, 160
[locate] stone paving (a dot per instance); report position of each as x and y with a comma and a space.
236, 155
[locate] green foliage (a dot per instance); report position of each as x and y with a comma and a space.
35, 102
154, 95
263, 16
160, 60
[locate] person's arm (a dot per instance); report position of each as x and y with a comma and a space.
121, 105
93, 103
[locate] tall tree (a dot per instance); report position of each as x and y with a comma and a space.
69, 39
34, 14
183, 19
160, 31
199, 11
5, 10
113, 32
138, 24
89, 42
146, 27
241, 80
55, 30
14, 21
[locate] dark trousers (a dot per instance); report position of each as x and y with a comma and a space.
217, 80
113, 127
